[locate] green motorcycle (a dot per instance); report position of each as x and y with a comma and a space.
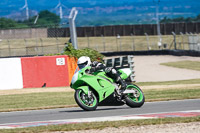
92, 89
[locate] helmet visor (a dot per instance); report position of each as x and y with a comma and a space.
81, 66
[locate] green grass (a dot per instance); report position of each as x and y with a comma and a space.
36, 101
65, 99
177, 82
193, 65
172, 94
101, 125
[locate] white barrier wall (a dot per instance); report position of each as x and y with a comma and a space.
10, 74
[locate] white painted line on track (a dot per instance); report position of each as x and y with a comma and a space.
97, 119
173, 101
166, 112
6, 127
70, 121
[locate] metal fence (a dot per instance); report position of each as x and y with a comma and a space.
41, 41
29, 42
194, 42
139, 43
127, 30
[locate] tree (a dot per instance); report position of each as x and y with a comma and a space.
165, 20
181, 19
45, 19
198, 18
6, 23
189, 19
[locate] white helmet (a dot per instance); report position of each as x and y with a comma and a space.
83, 61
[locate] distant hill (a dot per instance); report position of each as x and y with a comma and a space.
105, 12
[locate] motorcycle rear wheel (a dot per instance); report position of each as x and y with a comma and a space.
86, 103
135, 100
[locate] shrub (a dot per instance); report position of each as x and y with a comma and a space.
93, 54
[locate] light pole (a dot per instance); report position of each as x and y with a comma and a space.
72, 27
158, 22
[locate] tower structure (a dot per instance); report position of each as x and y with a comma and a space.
27, 9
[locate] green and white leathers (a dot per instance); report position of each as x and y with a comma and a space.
91, 89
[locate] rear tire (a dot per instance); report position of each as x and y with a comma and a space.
86, 103
136, 100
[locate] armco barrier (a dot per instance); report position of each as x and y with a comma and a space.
47, 71
155, 52
41, 71
122, 62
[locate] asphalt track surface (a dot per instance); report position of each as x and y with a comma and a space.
102, 111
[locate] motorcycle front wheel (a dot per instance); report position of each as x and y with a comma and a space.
85, 102
136, 99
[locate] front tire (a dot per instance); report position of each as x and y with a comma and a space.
86, 103
137, 99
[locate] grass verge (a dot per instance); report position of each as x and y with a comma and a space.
172, 94
47, 100
177, 82
193, 65
101, 125
36, 101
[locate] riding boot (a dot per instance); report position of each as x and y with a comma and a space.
122, 83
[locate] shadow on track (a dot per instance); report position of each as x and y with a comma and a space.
102, 109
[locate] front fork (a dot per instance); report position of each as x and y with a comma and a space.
86, 90
88, 94
122, 95
119, 96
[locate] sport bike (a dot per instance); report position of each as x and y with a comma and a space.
93, 89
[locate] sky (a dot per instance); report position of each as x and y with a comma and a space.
133, 11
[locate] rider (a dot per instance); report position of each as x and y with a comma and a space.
84, 61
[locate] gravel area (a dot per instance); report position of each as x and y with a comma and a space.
193, 127
148, 69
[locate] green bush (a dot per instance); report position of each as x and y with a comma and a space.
93, 54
